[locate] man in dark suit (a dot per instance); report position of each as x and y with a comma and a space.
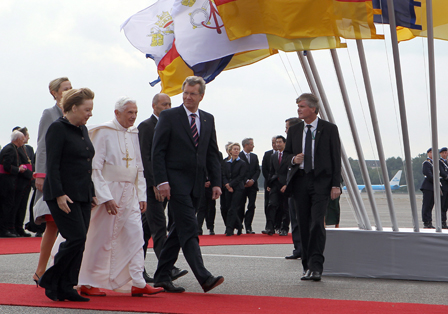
295, 232
184, 146
265, 168
154, 219
427, 189
251, 184
11, 168
444, 181
278, 202
314, 150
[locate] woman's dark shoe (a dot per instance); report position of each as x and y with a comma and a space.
72, 295
240, 231
52, 295
36, 280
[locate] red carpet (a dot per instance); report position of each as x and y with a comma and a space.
32, 245
28, 295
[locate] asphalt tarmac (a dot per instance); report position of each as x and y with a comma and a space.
262, 269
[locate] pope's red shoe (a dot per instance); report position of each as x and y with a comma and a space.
139, 292
92, 291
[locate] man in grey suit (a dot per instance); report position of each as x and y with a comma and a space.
154, 219
184, 147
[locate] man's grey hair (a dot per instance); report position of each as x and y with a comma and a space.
293, 121
121, 103
194, 80
311, 100
246, 141
16, 135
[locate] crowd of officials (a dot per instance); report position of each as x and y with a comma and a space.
80, 176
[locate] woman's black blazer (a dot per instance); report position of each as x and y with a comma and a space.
69, 162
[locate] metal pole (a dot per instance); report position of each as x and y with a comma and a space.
351, 191
376, 129
404, 123
351, 120
432, 89
327, 114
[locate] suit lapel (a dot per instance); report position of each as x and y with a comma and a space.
320, 127
153, 120
243, 156
205, 126
300, 137
183, 118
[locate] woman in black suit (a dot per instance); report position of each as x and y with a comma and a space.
69, 192
233, 179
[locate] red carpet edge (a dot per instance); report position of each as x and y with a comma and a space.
195, 303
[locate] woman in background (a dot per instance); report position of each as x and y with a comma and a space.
233, 179
40, 209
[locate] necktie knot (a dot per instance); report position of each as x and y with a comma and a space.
309, 126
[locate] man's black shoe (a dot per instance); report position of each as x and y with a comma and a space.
293, 257
283, 233
212, 282
212, 232
268, 232
306, 275
169, 287
176, 273
315, 276
147, 278
249, 231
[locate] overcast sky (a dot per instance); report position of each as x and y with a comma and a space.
43, 40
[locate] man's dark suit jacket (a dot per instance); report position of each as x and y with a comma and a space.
69, 162
145, 136
327, 155
176, 159
11, 159
253, 169
266, 165
427, 170
278, 172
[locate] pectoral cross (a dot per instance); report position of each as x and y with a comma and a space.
127, 159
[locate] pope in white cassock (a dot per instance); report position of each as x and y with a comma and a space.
113, 257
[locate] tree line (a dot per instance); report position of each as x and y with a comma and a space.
393, 165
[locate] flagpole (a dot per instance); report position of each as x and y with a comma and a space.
326, 113
433, 102
374, 118
404, 124
351, 120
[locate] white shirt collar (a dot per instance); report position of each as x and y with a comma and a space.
313, 124
189, 112
155, 116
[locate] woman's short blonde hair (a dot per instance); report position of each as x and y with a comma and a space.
75, 97
229, 148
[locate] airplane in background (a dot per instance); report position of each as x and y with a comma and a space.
394, 184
